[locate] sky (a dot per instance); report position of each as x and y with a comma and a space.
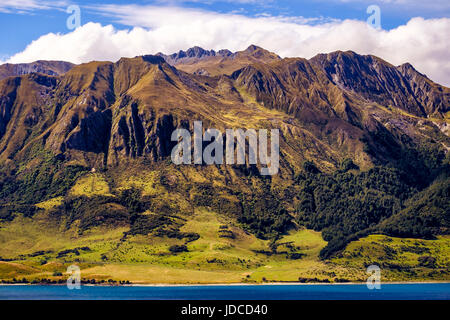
413, 31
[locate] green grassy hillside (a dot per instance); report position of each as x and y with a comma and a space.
224, 253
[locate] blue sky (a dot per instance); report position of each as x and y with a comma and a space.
413, 31
20, 25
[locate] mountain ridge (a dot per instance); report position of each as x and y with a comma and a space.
49, 67
312, 91
209, 62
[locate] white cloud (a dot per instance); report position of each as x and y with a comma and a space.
398, 2
424, 43
24, 6
440, 5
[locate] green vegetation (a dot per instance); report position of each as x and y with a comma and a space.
263, 213
50, 178
348, 205
35, 253
426, 213
253, 235
401, 258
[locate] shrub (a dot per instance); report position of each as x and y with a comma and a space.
178, 248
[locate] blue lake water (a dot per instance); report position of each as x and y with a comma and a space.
426, 291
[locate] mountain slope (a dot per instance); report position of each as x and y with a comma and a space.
359, 139
381, 82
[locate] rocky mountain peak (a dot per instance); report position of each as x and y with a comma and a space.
252, 48
191, 55
383, 83
52, 68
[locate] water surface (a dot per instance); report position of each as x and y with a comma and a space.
423, 291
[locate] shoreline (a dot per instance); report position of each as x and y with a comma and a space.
279, 284
228, 284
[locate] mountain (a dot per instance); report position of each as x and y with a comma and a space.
363, 145
377, 80
211, 63
53, 68
193, 55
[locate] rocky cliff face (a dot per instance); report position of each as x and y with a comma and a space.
328, 108
209, 62
53, 68
433, 98
381, 82
193, 55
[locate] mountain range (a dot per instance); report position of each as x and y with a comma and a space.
363, 153
52, 68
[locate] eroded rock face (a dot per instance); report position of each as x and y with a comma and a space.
434, 99
92, 133
7, 99
52, 68
129, 109
199, 61
193, 54
96, 113
381, 82
24, 106
137, 134
82, 116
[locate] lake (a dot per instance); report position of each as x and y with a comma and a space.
425, 291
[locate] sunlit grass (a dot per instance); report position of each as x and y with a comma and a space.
211, 258
90, 185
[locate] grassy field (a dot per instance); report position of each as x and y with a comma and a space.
224, 253
404, 258
90, 185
